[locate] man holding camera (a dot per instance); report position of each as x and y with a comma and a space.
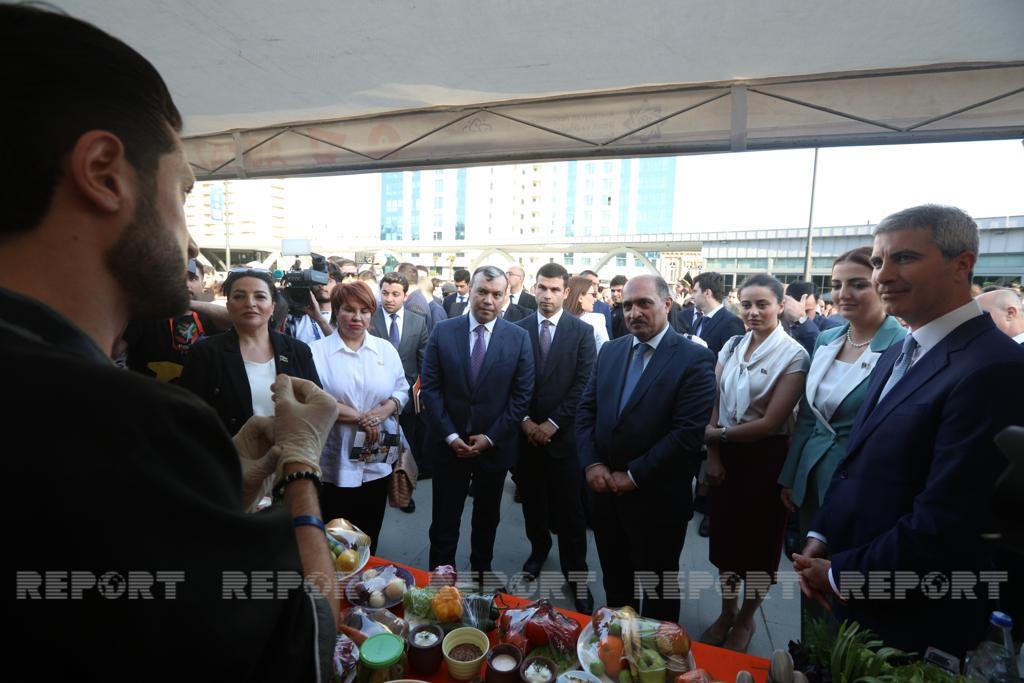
312, 321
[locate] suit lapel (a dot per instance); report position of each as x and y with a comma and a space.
710, 324
659, 361
531, 330
236, 368
408, 336
493, 350
824, 356
379, 328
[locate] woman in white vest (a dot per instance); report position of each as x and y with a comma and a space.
760, 379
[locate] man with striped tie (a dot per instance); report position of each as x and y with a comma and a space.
913, 496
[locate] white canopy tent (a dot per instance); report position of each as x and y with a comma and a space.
337, 86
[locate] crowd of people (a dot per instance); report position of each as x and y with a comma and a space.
874, 424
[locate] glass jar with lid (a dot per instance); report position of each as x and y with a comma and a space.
381, 659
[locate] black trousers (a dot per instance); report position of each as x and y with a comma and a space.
639, 546
551, 487
363, 505
451, 485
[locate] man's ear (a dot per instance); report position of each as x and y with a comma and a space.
100, 172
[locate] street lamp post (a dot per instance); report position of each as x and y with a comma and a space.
810, 219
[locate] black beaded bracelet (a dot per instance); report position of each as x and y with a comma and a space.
295, 476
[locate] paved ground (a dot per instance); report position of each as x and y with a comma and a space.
404, 539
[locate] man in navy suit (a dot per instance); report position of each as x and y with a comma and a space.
639, 430
708, 318
801, 313
455, 303
549, 476
416, 301
475, 387
913, 496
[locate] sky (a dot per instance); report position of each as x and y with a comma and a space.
735, 191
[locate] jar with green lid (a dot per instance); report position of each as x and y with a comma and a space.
381, 658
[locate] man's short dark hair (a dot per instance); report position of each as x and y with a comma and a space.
334, 271
409, 272
711, 282
490, 273
395, 279
553, 270
461, 275
798, 288
62, 78
618, 281
588, 273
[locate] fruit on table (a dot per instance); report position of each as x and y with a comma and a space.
672, 639
347, 561
396, 589
609, 652
744, 677
447, 604
651, 666
695, 676
781, 670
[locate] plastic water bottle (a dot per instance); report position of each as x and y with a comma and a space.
994, 661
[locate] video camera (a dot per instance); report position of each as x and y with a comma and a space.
299, 282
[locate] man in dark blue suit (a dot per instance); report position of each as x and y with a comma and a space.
639, 428
801, 313
708, 318
475, 387
913, 496
549, 476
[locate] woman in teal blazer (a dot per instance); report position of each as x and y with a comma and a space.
836, 384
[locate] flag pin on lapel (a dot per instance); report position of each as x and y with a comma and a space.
283, 358
764, 371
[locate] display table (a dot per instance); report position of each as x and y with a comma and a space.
722, 665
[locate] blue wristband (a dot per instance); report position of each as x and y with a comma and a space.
308, 520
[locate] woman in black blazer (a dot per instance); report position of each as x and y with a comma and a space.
233, 371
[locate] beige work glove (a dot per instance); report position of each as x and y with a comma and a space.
303, 416
258, 457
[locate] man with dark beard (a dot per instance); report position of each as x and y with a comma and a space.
126, 529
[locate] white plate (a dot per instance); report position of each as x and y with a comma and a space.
364, 557
588, 653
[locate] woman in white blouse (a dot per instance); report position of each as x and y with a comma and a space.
580, 302
760, 379
365, 375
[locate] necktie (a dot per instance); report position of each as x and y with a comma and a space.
636, 368
545, 340
698, 321
476, 358
902, 365
393, 332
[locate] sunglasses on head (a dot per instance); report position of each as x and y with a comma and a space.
237, 269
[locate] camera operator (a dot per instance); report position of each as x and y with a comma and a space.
309, 297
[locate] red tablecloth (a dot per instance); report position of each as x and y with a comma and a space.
722, 665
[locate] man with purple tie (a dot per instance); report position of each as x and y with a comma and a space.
476, 385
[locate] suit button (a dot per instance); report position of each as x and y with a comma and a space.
844, 474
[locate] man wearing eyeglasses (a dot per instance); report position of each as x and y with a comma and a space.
516, 294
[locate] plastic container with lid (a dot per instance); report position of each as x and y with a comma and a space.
381, 659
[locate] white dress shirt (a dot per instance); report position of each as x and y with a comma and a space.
360, 379
489, 327
600, 325
514, 297
927, 337
1019, 338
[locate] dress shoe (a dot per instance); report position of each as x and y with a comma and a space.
532, 568
585, 605
704, 530
410, 508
